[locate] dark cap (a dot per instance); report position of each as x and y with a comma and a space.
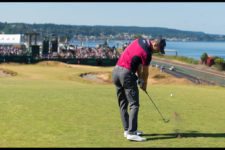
162, 44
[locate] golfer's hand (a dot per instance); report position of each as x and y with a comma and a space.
144, 87
142, 84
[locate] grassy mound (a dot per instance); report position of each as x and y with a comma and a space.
155, 77
52, 63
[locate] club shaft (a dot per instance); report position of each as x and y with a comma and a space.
155, 106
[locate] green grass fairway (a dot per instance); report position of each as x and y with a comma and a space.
51, 106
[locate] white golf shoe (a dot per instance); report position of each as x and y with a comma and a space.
137, 133
134, 137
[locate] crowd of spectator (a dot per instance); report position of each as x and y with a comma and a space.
11, 51
84, 53
102, 52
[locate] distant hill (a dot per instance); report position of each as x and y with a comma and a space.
71, 30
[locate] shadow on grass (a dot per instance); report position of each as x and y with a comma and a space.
183, 135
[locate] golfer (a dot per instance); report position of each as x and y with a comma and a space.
131, 67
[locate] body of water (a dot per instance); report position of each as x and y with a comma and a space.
187, 49
196, 49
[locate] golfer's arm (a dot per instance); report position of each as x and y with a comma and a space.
143, 73
139, 71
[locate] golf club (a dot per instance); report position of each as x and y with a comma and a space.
165, 120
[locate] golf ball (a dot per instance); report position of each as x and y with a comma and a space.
171, 94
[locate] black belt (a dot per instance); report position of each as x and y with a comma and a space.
123, 68
120, 67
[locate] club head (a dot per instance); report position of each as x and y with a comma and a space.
166, 120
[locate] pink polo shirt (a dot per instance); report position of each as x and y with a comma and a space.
138, 52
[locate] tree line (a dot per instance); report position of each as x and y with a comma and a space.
72, 30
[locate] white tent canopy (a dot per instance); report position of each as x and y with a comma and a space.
6, 39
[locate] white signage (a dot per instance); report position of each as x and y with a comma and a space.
10, 38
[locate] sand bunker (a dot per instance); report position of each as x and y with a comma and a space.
7, 73
100, 77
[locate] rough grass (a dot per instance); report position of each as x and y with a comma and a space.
179, 58
51, 106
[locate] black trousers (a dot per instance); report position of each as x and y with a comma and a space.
127, 93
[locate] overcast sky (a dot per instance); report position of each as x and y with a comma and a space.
189, 16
